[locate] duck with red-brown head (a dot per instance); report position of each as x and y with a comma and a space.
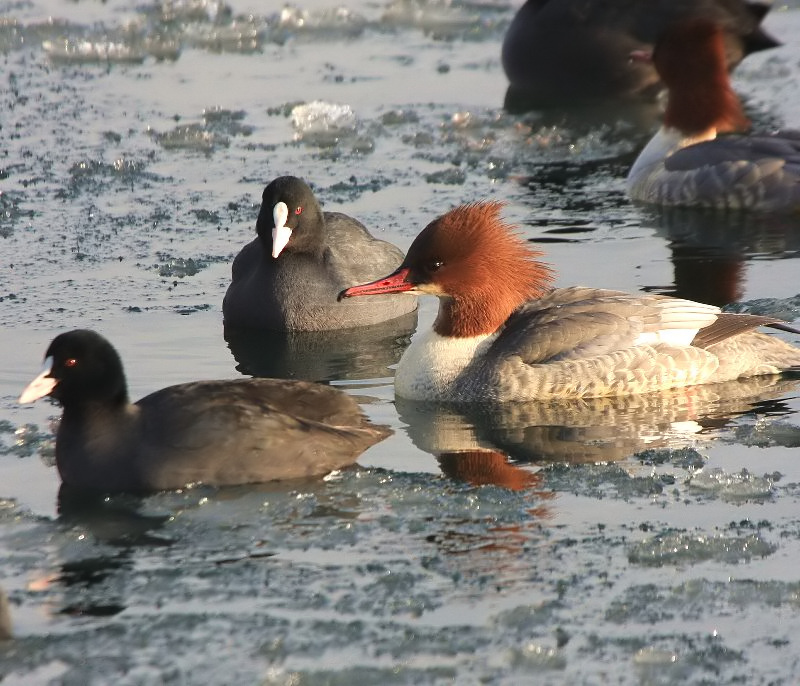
502, 334
688, 162
481, 272
479, 269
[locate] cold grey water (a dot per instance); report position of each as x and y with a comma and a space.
651, 540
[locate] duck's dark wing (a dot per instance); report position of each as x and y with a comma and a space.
229, 432
355, 254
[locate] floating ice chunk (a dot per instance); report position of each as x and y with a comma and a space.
190, 137
533, 657
451, 176
323, 123
659, 666
765, 433
684, 458
399, 116
335, 22
322, 116
741, 486
438, 18
194, 10
690, 548
243, 36
82, 51
226, 121
179, 267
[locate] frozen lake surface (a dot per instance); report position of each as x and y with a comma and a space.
642, 541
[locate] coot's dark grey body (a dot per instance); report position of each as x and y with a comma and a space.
215, 432
326, 253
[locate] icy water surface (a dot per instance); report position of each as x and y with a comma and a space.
638, 541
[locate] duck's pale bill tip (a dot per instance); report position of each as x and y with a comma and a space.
41, 386
280, 237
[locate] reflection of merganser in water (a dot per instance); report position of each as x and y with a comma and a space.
287, 278
686, 163
711, 252
592, 430
500, 334
566, 52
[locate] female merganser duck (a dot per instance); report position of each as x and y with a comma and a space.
685, 163
287, 279
215, 432
565, 52
502, 335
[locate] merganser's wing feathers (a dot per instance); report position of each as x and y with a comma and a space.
562, 334
761, 172
767, 153
729, 324
578, 323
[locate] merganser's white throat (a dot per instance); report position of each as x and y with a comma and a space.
432, 363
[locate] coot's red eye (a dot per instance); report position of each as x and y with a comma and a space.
70, 362
298, 210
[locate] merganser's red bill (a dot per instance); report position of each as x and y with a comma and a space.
645, 56
394, 283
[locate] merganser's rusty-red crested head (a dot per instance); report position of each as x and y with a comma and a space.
475, 262
690, 59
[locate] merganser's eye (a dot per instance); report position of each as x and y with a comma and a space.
298, 210
435, 265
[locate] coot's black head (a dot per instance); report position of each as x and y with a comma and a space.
80, 367
291, 215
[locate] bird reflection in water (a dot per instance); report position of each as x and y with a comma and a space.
487, 467
710, 250
506, 445
6, 630
497, 443
342, 354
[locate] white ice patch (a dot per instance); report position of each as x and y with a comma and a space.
321, 122
731, 486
